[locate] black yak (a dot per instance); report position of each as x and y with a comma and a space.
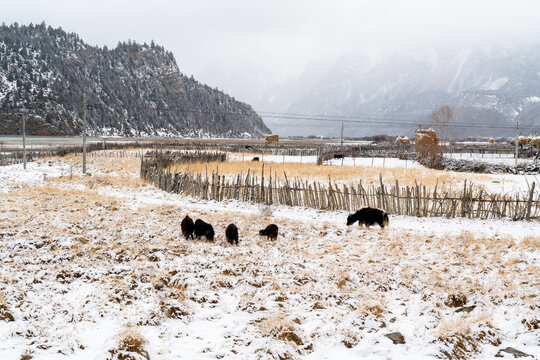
231, 233
369, 216
271, 231
204, 229
187, 227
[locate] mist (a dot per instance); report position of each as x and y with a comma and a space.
276, 55
280, 38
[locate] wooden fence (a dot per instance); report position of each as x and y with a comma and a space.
402, 200
12, 159
323, 151
181, 157
115, 149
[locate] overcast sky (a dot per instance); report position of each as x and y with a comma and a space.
278, 36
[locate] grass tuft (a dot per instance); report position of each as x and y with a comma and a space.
130, 346
5, 315
281, 328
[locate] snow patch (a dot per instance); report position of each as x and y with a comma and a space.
462, 61
493, 85
340, 289
14, 177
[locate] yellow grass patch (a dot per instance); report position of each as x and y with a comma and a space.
461, 324
530, 242
280, 327
130, 341
342, 174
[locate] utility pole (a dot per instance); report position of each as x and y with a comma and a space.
342, 133
517, 139
24, 139
84, 135
22, 116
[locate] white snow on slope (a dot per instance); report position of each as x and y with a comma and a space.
463, 58
495, 84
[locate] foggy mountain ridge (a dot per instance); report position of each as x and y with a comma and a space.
490, 87
135, 90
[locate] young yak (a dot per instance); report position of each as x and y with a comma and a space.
204, 229
187, 227
271, 232
231, 233
369, 216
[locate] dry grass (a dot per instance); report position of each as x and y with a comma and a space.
113, 172
130, 346
177, 292
462, 324
129, 164
123, 172
5, 314
73, 234
530, 242
456, 300
371, 303
346, 174
463, 336
280, 327
27, 355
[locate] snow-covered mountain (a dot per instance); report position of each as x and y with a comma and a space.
135, 90
490, 87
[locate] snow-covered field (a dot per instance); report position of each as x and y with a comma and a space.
14, 177
89, 263
347, 161
505, 159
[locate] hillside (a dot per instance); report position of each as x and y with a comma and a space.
135, 90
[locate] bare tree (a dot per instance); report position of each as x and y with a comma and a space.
440, 119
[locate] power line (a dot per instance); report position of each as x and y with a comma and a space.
342, 118
382, 121
310, 119
326, 116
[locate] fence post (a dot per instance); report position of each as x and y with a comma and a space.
261, 197
529, 203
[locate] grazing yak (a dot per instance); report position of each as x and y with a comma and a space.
187, 227
231, 233
204, 229
271, 231
369, 216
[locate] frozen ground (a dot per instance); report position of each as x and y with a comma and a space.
347, 161
86, 259
505, 159
14, 177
